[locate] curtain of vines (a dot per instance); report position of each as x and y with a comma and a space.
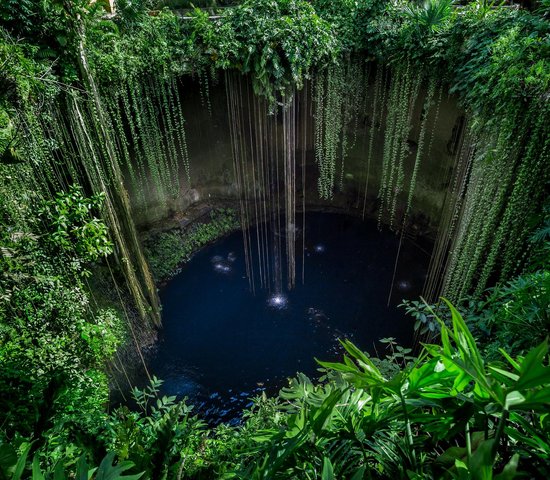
264, 141
66, 147
148, 122
497, 175
339, 98
506, 187
72, 139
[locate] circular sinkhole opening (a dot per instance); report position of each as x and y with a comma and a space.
222, 345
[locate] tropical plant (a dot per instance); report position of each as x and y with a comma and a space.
83, 97
53, 344
73, 226
276, 41
430, 15
359, 422
160, 437
14, 466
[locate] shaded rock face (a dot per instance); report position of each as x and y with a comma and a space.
212, 173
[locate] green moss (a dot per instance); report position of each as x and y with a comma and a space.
168, 250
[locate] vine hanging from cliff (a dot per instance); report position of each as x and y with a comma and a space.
404, 88
507, 186
339, 96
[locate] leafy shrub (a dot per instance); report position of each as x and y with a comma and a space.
514, 314
277, 41
14, 464
72, 226
160, 436
52, 342
450, 414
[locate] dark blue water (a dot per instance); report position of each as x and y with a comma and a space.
221, 345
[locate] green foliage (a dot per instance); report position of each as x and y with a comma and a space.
20, 77
494, 59
514, 314
403, 93
72, 226
424, 315
159, 436
396, 357
499, 59
48, 29
352, 21
278, 42
51, 339
128, 50
339, 95
132, 12
14, 466
449, 413
432, 15
458, 411
398, 426
168, 250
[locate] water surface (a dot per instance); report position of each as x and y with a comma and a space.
221, 345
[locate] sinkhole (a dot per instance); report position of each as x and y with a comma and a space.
221, 345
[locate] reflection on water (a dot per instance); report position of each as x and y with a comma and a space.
278, 301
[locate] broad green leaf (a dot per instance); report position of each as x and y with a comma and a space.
59, 472
108, 471
502, 375
514, 398
325, 411
532, 371
430, 374
461, 381
339, 367
266, 437
481, 461
365, 361
359, 474
465, 339
21, 462
328, 472
36, 471
537, 400
449, 456
512, 362
8, 458
510, 469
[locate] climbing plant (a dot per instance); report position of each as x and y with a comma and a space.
339, 99
277, 42
90, 106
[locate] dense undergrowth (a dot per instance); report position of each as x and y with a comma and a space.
457, 410
449, 413
54, 340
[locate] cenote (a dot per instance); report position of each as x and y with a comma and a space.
167, 309
221, 345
